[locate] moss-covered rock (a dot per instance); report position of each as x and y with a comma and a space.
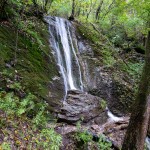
25, 54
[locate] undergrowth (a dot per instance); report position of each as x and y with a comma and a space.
86, 140
24, 123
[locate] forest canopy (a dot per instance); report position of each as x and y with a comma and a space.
118, 19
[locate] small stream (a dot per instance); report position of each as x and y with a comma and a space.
114, 118
148, 143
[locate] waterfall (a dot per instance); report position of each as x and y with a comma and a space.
147, 143
112, 117
64, 50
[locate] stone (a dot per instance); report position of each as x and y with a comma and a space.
109, 83
82, 106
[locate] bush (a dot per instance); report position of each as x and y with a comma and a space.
16, 111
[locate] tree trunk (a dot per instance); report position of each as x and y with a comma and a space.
138, 125
98, 10
91, 7
73, 10
108, 10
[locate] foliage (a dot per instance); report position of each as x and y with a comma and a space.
103, 143
82, 135
119, 20
133, 69
86, 137
123, 22
52, 141
5, 146
28, 106
103, 104
15, 108
24, 116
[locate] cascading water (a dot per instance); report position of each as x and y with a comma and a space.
63, 46
147, 143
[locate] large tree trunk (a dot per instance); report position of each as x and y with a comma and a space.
138, 125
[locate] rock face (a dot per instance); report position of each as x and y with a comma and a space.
56, 93
109, 83
82, 106
101, 81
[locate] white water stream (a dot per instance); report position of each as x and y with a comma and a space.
114, 118
148, 143
63, 46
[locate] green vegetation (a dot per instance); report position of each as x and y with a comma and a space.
101, 144
110, 56
85, 140
27, 67
101, 46
27, 119
115, 29
32, 55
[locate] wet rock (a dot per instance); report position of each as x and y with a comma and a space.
99, 81
82, 106
113, 131
109, 83
121, 98
56, 94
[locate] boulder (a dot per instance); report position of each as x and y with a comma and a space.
55, 95
82, 106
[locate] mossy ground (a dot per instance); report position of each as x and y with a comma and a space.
26, 67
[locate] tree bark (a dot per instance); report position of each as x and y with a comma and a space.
73, 10
92, 5
98, 10
138, 125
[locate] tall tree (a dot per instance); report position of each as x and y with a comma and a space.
73, 11
138, 125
